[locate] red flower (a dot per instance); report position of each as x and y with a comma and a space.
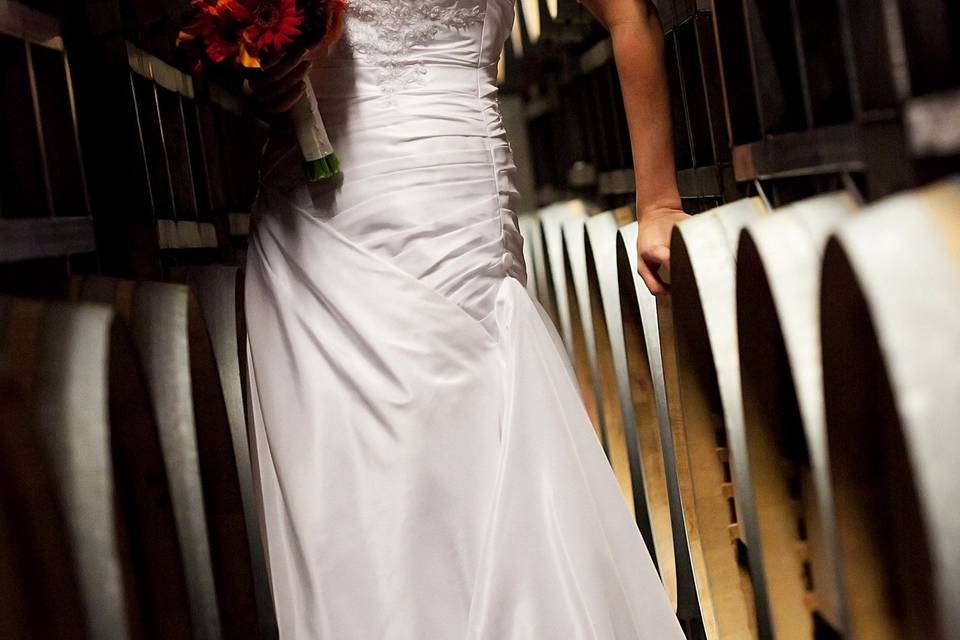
225, 30
275, 22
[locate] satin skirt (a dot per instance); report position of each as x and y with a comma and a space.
426, 467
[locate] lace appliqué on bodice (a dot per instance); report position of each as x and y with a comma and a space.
383, 32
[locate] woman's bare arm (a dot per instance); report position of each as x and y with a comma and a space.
637, 36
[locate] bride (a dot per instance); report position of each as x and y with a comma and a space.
426, 468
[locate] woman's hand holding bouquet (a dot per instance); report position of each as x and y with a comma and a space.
268, 41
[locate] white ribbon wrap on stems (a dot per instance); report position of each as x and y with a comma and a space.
312, 136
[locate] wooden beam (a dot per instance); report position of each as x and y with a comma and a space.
831, 149
30, 238
26, 24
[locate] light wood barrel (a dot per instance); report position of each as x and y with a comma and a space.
195, 437
553, 295
778, 285
648, 321
703, 262
890, 321
219, 290
58, 493
581, 317
533, 257
637, 464
660, 435
564, 271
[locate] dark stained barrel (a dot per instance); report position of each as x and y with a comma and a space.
197, 449
219, 291
64, 489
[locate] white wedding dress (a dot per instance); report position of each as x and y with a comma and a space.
426, 468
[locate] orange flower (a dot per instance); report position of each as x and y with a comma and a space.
335, 14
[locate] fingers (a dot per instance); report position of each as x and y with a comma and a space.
654, 268
281, 66
658, 260
660, 254
649, 277
285, 101
281, 85
270, 92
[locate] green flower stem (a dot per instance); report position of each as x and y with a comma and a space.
326, 167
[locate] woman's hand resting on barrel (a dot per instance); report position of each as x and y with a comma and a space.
653, 245
638, 46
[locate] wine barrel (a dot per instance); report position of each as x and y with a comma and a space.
41, 592
649, 322
633, 437
703, 263
890, 321
533, 253
584, 356
778, 283
61, 499
554, 296
560, 299
219, 291
181, 372
600, 236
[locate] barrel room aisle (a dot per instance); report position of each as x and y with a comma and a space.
251, 267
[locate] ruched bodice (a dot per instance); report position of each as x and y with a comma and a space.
426, 467
409, 98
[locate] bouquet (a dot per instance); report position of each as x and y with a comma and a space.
241, 33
